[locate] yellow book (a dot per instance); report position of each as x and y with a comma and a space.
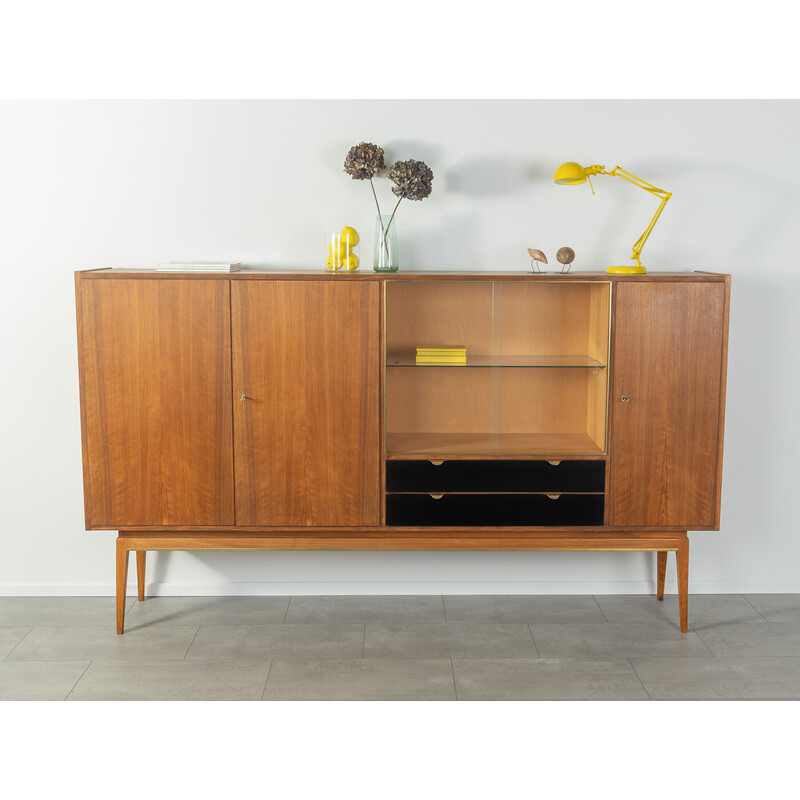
426, 359
442, 351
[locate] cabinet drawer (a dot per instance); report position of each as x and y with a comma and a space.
494, 509
495, 476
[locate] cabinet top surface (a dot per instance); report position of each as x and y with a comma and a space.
405, 275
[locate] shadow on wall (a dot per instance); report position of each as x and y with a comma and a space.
351, 570
493, 175
404, 149
762, 433
452, 244
766, 203
455, 242
731, 209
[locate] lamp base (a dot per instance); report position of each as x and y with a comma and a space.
626, 270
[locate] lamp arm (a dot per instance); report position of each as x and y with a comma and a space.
648, 187
638, 245
618, 172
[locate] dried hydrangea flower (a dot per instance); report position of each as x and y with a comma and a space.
412, 179
364, 161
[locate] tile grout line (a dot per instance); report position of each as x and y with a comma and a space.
638, 678
453, 673
535, 646
705, 644
197, 631
269, 672
286, 613
594, 597
444, 609
30, 630
80, 677
754, 608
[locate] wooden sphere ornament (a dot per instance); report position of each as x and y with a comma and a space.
565, 255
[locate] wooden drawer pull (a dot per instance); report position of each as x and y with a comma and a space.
437, 463
554, 496
437, 496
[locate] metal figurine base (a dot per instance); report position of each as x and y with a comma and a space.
535, 267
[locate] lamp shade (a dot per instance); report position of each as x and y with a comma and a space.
570, 174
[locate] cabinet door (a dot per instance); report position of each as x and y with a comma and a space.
158, 440
306, 372
668, 359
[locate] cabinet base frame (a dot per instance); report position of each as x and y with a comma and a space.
660, 542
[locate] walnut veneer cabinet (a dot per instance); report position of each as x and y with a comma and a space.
269, 410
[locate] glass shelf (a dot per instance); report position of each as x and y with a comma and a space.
541, 362
462, 444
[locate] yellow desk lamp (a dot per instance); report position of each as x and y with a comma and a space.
570, 174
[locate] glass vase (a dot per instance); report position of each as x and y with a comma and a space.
384, 257
342, 251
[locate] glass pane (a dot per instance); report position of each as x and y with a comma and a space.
533, 381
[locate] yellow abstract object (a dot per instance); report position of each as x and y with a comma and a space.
571, 173
341, 250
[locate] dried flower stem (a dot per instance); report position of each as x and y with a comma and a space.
389, 224
380, 220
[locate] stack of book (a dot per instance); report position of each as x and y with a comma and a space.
446, 354
197, 266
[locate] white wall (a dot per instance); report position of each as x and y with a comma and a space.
130, 183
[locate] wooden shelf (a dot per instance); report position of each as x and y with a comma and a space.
503, 444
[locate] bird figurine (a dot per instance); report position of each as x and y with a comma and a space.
565, 256
537, 257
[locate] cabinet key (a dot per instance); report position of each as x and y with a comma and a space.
625, 399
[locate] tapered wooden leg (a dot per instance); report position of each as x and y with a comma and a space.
122, 581
662, 573
682, 557
140, 559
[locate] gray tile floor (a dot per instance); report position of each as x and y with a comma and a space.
476, 647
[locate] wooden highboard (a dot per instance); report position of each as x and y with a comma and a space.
287, 410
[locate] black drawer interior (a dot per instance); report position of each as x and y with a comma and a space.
494, 510
495, 476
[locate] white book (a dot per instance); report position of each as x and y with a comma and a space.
197, 266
